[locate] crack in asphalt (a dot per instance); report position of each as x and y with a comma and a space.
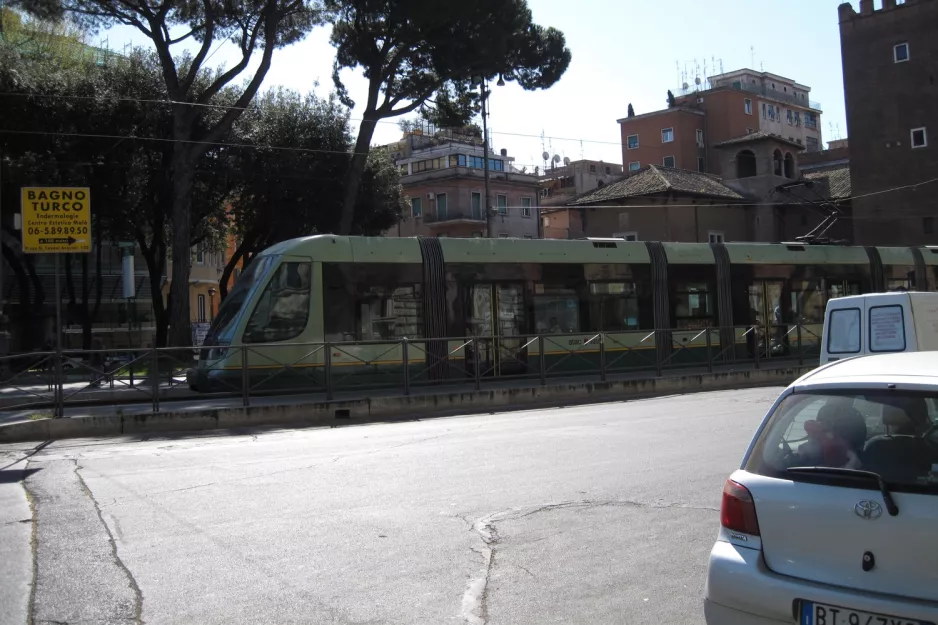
34, 551
138, 594
475, 597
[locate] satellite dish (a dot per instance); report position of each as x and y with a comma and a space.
697, 80
684, 86
556, 158
566, 160
545, 155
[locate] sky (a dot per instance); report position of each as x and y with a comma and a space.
624, 51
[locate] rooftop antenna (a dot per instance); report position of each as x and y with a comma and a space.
752, 56
721, 66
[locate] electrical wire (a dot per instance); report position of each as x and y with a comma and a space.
224, 107
740, 203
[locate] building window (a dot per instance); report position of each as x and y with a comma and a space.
635, 166
475, 204
199, 254
441, 207
415, 207
746, 164
919, 138
668, 161
810, 120
701, 166
632, 141
525, 207
608, 170
667, 135
201, 308
700, 138
501, 201
628, 236
900, 52
592, 169
747, 103
928, 225
764, 111
715, 236
791, 117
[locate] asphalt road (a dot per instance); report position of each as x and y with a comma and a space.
594, 514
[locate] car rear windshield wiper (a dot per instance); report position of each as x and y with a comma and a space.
891, 506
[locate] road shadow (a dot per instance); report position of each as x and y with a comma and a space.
12, 476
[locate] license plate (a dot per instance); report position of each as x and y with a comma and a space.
822, 614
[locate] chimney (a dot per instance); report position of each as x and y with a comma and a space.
889, 4
845, 12
866, 7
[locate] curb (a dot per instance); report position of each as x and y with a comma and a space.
366, 410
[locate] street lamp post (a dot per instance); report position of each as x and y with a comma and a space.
489, 211
211, 304
485, 160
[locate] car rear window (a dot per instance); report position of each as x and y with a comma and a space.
892, 433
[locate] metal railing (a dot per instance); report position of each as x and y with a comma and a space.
58, 380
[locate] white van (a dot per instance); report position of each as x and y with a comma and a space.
879, 323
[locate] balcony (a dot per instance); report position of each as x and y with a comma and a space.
452, 217
757, 89
776, 95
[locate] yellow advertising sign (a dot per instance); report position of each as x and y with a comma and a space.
56, 219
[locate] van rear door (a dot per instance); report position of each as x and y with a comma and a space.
890, 325
843, 329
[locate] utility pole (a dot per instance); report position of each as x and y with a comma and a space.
485, 140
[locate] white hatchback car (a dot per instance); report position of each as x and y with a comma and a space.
833, 517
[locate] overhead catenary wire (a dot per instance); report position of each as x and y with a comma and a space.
237, 108
741, 202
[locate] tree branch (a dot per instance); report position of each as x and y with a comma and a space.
219, 83
209, 26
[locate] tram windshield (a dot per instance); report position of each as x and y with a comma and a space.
222, 329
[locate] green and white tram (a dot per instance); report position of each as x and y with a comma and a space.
346, 303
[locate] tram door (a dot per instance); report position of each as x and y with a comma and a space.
497, 314
766, 312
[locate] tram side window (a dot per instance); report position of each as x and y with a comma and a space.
693, 305
808, 301
387, 313
371, 302
556, 310
613, 307
282, 311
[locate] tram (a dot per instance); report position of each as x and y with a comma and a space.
346, 304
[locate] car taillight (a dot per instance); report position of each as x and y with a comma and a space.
738, 512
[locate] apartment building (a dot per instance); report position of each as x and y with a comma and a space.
734, 105
560, 183
890, 53
442, 173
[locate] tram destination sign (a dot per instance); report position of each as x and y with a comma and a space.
56, 220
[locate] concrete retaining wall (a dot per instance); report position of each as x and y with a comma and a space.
322, 414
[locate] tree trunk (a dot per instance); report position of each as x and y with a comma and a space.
154, 256
180, 333
71, 309
239, 254
98, 286
26, 339
356, 170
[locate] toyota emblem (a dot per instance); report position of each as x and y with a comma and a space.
869, 510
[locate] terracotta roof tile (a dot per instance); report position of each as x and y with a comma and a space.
653, 180
837, 177
759, 135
